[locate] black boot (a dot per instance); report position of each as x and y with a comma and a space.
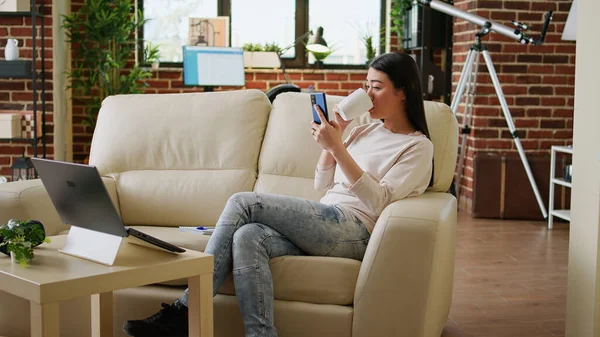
170, 321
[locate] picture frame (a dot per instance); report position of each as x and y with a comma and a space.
209, 32
15, 6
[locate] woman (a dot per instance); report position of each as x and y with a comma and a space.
377, 164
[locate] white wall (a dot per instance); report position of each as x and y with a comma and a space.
583, 295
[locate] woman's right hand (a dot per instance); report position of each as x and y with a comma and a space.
339, 120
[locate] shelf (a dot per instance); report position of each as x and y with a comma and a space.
561, 181
562, 213
22, 139
19, 76
15, 69
24, 69
421, 48
19, 14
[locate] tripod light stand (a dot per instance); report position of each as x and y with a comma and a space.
468, 80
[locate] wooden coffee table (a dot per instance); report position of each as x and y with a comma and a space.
53, 277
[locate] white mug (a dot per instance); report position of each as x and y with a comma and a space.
356, 104
11, 51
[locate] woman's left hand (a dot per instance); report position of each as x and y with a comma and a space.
328, 134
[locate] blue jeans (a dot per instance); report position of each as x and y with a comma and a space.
254, 228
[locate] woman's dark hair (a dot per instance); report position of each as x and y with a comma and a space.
402, 71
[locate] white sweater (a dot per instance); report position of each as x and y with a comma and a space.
395, 166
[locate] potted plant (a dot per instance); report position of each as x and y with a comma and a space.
367, 38
370, 49
398, 14
261, 56
104, 40
18, 238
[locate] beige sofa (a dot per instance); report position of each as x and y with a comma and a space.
173, 160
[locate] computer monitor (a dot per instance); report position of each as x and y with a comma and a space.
213, 66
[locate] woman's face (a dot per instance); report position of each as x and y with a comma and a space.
387, 100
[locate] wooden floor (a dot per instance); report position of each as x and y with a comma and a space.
510, 279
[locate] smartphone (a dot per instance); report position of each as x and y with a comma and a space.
318, 98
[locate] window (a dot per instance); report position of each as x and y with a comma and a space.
344, 30
271, 21
168, 24
251, 24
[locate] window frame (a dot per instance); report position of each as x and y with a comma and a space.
302, 24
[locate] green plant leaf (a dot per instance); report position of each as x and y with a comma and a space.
105, 35
20, 237
398, 14
272, 46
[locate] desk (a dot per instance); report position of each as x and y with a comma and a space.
53, 277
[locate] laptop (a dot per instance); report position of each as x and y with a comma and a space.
81, 200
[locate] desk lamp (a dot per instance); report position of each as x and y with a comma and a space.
317, 44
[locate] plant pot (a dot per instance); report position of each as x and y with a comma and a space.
254, 59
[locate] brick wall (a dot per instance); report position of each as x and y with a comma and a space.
538, 82
16, 95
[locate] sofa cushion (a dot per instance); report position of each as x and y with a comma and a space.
313, 279
182, 174
289, 153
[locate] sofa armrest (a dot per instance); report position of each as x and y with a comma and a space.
406, 278
28, 200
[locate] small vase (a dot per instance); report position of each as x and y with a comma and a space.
12, 258
11, 51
